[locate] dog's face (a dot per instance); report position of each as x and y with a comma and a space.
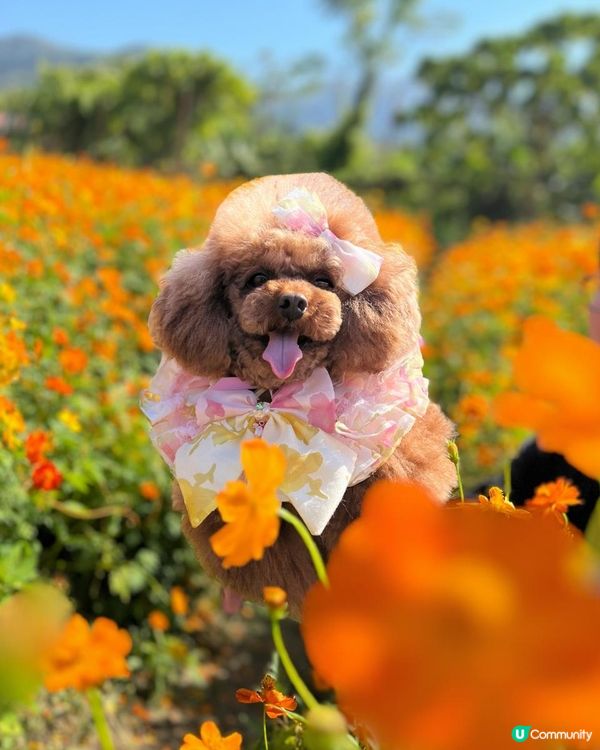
285, 301
271, 308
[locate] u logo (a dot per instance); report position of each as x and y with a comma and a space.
520, 733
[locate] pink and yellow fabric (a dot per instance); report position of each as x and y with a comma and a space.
334, 436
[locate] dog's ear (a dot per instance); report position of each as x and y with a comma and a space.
380, 323
190, 317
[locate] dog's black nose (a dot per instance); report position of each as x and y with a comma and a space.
292, 306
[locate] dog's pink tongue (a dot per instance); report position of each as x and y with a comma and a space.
282, 353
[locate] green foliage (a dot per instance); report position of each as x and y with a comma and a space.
509, 130
162, 108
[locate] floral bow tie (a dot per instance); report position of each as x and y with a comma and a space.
332, 437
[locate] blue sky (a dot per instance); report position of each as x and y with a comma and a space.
241, 30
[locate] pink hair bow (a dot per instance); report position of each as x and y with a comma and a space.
302, 211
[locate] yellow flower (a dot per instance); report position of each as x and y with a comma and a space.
70, 420
211, 739
557, 374
498, 502
249, 509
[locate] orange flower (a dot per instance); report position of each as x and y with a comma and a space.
555, 497
59, 385
472, 407
557, 374
60, 337
273, 699
158, 620
431, 611
498, 502
72, 360
179, 601
149, 491
249, 510
38, 443
84, 655
211, 739
46, 476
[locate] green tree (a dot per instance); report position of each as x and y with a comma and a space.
510, 129
372, 27
142, 111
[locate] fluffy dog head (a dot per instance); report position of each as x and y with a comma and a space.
266, 304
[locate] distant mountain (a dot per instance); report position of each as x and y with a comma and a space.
22, 54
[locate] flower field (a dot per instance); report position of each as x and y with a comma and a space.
85, 498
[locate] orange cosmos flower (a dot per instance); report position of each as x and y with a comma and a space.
72, 360
58, 385
60, 337
442, 626
557, 374
249, 510
179, 601
158, 620
38, 443
211, 739
273, 699
555, 497
84, 655
46, 476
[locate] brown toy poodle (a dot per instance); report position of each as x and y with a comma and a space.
267, 305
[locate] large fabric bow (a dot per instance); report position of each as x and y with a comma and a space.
302, 211
332, 437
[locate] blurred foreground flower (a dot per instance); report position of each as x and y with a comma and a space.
445, 627
29, 622
249, 509
84, 655
274, 700
211, 739
557, 374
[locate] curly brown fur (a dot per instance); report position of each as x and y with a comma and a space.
212, 317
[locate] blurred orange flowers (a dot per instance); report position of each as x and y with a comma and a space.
443, 628
158, 620
249, 509
211, 739
557, 374
85, 655
273, 699
179, 601
38, 443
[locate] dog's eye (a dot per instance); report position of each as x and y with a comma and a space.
323, 282
257, 280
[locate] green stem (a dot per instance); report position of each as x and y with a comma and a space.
99, 717
309, 542
507, 480
299, 685
461, 490
265, 730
